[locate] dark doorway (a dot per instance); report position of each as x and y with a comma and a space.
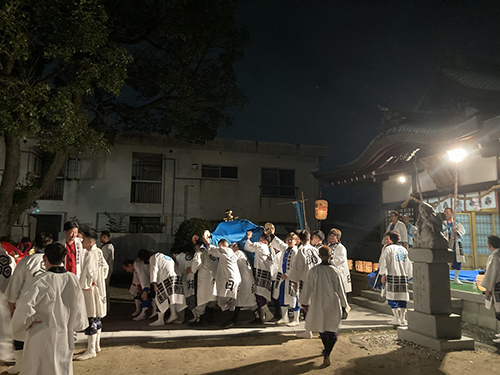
48, 224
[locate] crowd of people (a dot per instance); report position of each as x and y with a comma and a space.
61, 288
218, 278
53, 291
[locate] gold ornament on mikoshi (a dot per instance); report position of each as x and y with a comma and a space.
269, 228
321, 209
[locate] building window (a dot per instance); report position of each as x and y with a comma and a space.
145, 224
39, 162
219, 171
56, 191
147, 175
278, 183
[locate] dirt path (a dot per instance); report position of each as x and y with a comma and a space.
355, 353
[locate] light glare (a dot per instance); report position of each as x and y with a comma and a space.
457, 155
402, 179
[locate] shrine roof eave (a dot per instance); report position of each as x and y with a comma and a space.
390, 147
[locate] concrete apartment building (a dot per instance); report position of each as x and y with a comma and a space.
149, 184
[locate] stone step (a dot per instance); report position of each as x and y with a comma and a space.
373, 295
382, 307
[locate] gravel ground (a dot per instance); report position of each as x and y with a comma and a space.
356, 353
479, 334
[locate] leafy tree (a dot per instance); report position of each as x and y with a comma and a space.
185, 232
73, 72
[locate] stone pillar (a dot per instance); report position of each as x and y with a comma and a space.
432, 323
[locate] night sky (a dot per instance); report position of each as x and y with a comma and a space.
315, 71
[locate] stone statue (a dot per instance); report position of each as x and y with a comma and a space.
429, 224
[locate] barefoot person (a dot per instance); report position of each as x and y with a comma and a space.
50, 310
323, 298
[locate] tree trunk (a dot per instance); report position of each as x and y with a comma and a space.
10, 210
9, 180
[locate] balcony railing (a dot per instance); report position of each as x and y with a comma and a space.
56, 191
145, 192
278, 191
122, 222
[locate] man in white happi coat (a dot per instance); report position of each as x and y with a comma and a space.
339, 258
135, 287
169, 293
5, 331
204, 266
410, 230
377, 285
396, 270
324, 299
50, 311
285, 289
93, 283
183, 269
141, 268
108, 252
263, 264
491, 280
399, 227
307, 257
26, 270
74, 247
453, 233
246, 293
227, 280
317, 238
7, 267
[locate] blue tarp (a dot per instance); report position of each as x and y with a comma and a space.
236, 231
372, 277
465, 275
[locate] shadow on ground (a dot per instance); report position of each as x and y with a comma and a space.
404, 360
219, 342
119, 319
292, 366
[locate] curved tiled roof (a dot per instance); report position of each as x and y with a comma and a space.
416, 129
397, 141
473, 79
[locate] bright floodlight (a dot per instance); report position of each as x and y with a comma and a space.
402, 179
457, 155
